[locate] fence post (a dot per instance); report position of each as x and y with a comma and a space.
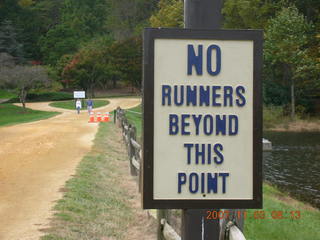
161, 213
236, 216
131, 149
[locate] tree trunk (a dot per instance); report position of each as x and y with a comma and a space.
22, 96
114, 81
288, 77
293, 107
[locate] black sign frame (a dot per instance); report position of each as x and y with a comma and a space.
150, 34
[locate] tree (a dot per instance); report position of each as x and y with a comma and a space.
170, 14
9, 42
244, 14
6, 60
23, 79
126, 18
286, 47
126, 58
87, 68
58, 41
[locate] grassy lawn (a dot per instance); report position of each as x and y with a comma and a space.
276, 202
71, 104
96, 204
10, 114
6, 95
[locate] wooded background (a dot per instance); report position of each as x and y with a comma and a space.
97, 44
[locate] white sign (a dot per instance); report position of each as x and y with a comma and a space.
206, 121
203, 139
79, 94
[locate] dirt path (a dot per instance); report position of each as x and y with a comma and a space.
35, 161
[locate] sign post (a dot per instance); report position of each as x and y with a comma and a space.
79, 94
202, 121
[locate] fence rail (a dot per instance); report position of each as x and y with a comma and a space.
230, 227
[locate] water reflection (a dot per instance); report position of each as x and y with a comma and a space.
294, 164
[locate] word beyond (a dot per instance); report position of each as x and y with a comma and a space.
207, 124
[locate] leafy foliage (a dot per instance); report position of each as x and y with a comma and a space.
248, 13
23, 78
68, 35
9, 42
103, 61
170, 14
58, 41
286, 48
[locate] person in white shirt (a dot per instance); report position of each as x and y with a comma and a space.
78, 105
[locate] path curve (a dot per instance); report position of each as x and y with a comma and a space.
36, 159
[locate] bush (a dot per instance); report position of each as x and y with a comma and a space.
272, 115
45, 96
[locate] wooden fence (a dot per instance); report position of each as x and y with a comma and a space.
229, 226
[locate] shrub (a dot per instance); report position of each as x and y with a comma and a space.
272, 115
45, 96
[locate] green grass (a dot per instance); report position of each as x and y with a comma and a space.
71, 104
136, 119
6, 95
95, 204
273, 116
10, 114
306, 227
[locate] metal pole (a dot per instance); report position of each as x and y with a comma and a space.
201, 14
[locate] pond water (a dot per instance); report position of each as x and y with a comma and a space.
294, 164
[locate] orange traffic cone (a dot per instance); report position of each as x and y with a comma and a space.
91, 119
106, 117
99, 117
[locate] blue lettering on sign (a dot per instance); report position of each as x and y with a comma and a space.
173, 124
221, 124
215, 96
194, 182
224, 176
240, 90
182, 179
212, 182
202, 182
184, 124
197, 120
188, 146
233, 125
218, 60
192, 95
187, 124
200, 153
217, 150
178, 100
166, 94
228, 96
204, 153
196, 60
208, 124
204, 96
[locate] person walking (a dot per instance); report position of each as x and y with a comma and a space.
78, 105
89, 105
